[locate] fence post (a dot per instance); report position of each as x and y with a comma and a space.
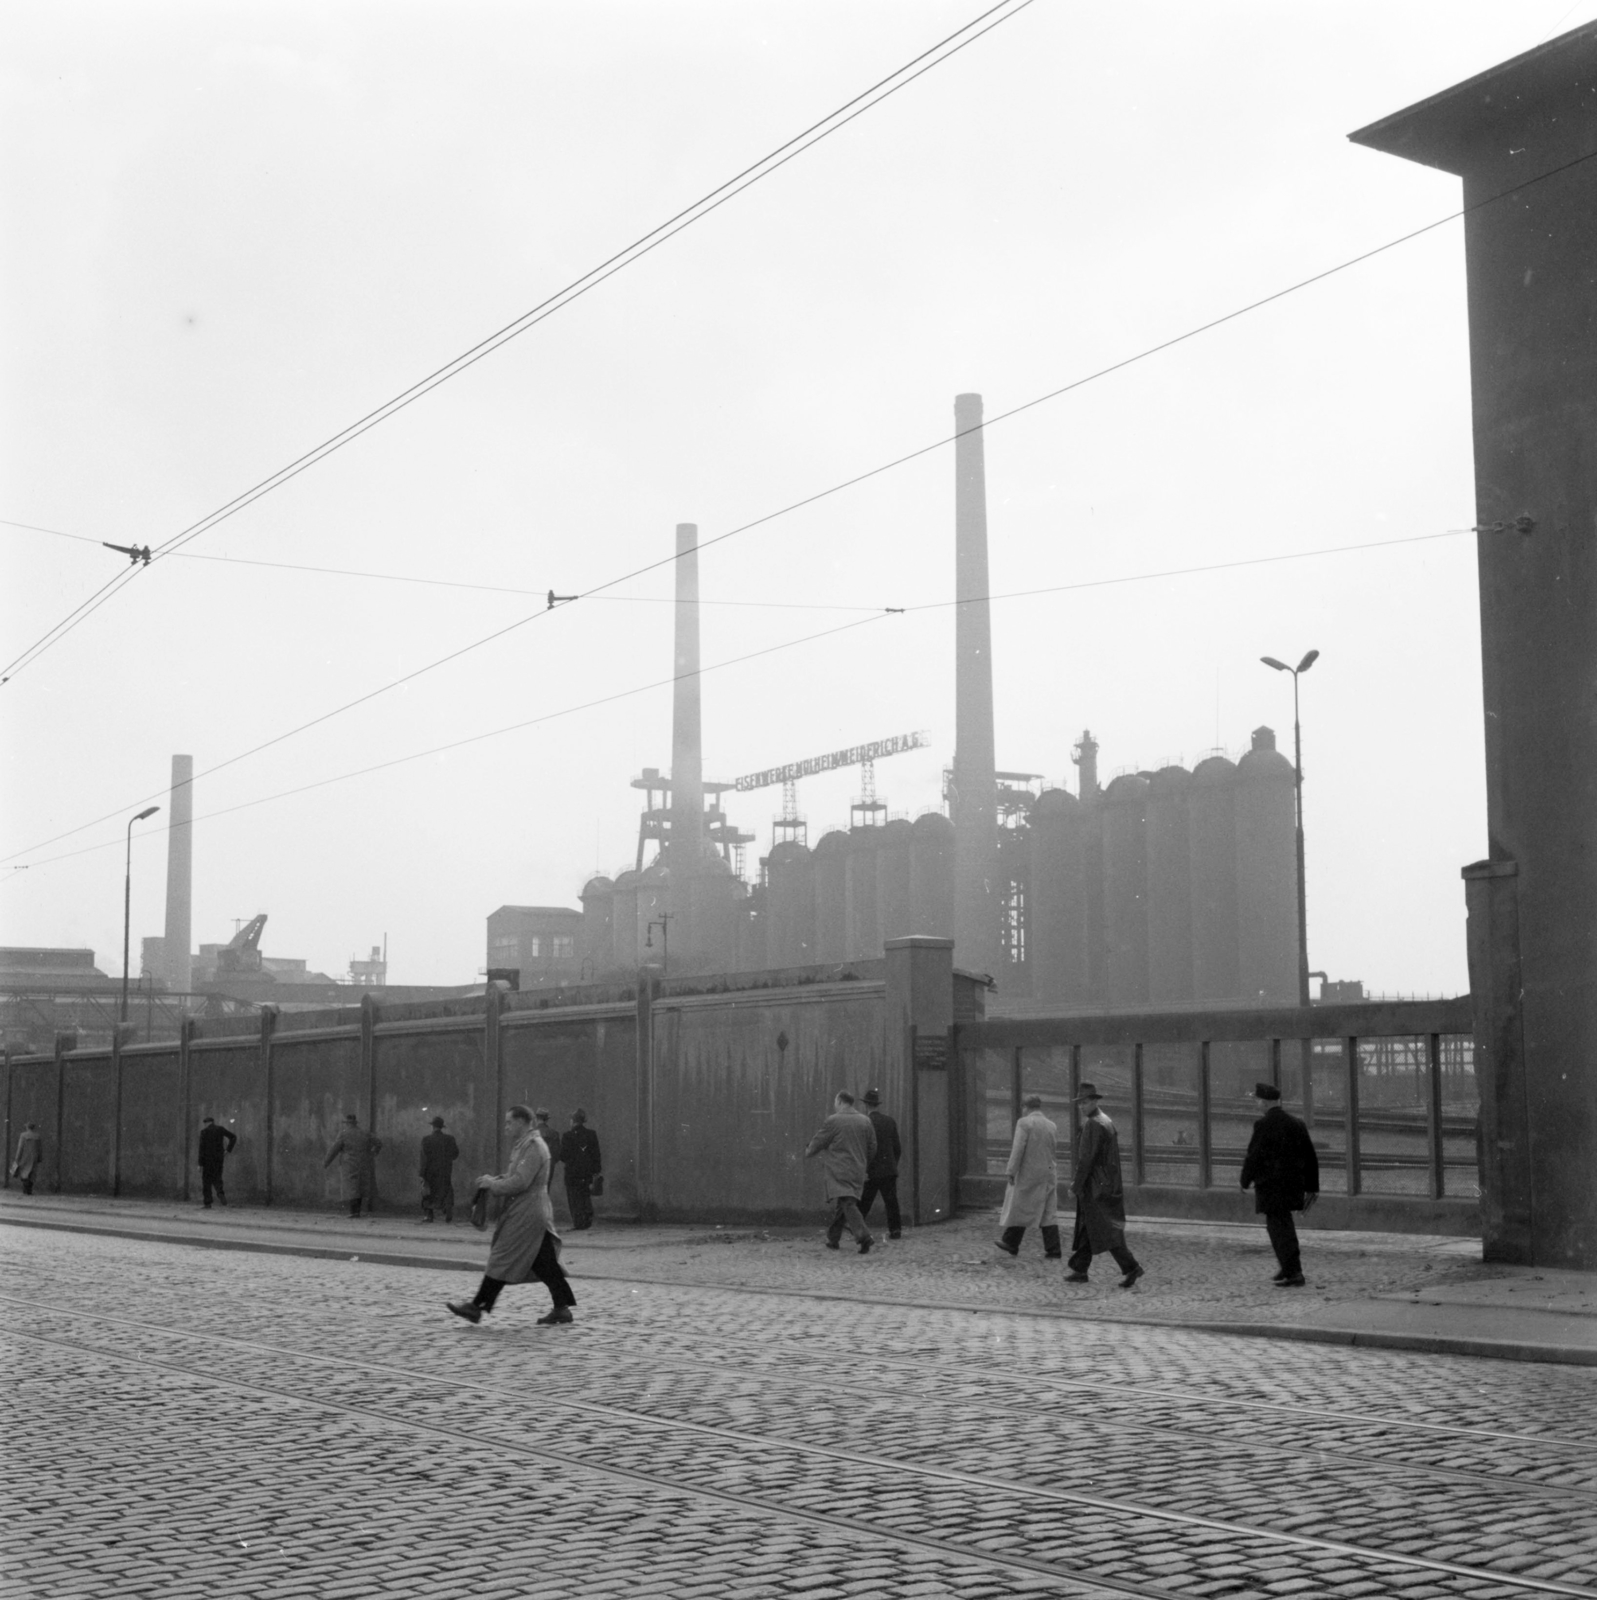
185, 1036
116, 1111
1205, 1147
1275, 1062
60, 1102
1433, 1115
368, 1060
1350, 1063
911, 1032
1138, 1164
269, 1076
493, 1056
1015, 1086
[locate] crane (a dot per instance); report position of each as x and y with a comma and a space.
865, 756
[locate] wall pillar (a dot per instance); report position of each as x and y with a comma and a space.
919, 1019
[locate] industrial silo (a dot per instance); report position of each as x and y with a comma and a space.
624, 922
1170, 887
1267, 901
893, 905
1212, 843
1056, 908
715, 908
1125, 890
598, 926
754, 930
790, 900
859, 890
831, 898
931, 875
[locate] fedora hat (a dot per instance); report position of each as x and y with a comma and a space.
1087, 1091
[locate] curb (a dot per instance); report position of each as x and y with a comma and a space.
1369, 1339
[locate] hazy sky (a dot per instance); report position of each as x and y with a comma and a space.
233, 229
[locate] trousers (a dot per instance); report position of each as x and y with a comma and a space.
546, 1269
580, 1199
1283, 1233
887, 1188
1050, 1240
1081, 1251
440, 1196
211, 1179
845, 1214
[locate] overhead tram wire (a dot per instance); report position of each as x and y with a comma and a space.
713, 200
877, 471
878, 613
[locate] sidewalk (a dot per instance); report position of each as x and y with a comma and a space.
1397, 1291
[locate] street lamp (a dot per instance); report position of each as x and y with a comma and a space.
1297, 769
663, 923
127, 902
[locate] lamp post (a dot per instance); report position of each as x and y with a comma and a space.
127, 903
1297, 770
663, 923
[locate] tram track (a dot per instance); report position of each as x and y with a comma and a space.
1026, 1491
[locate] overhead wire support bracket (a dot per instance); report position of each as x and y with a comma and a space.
139, 555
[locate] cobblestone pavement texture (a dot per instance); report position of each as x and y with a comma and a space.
201, 1422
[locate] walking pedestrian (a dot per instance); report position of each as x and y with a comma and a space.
525, 1244
881, 1176
356, 1152
215, 1144
30, 1157
1283, 1170
1032, 1194
846, 1142
579, 1152
1100, 1195
551, 1141
438, 1154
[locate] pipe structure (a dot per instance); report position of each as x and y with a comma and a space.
177, 947
975, 797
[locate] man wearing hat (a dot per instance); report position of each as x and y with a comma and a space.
1100, 1195
1032, 1195
579, 1150
845, 1143
1283, 1171
438, 1154
355, 1150
881, 1176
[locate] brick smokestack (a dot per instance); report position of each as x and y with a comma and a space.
975, 800
177, 947
687, 749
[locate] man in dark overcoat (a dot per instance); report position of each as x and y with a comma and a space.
881, 1176
355, 1150
845, 1143
1283, 1170
438, 1155
579, 1154
1100, 1194
215, 1143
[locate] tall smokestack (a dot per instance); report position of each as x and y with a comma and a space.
976, 942
687, 751
177, 947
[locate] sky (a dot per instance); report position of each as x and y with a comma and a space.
231, 230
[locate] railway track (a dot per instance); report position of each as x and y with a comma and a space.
707, 1454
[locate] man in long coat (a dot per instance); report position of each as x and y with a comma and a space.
1283, 1170
215, 1142
1032, 1195
525, 1244
30, 1157
438, 1155
881, 1176
579, 1154
356, 1152
1100, 1194
845, 1143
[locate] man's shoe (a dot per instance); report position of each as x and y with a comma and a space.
1295, 1281
557, 1314
1008, 1249
1076, 1277
833, 1244
895, 1236
1130, 1278
469, 1309
865, 1246
1280, 1277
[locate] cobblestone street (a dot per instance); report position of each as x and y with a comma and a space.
198, 1422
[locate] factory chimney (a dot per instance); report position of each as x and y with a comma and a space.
975, 796
177, 947
687, 750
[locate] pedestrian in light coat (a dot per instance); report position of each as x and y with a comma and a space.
215, 1143
1100, 1194
355, 1150
525, 1244
881, 1176
1032, 1193
439, 1152
30, 1157
845, 1143
1283, 1170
